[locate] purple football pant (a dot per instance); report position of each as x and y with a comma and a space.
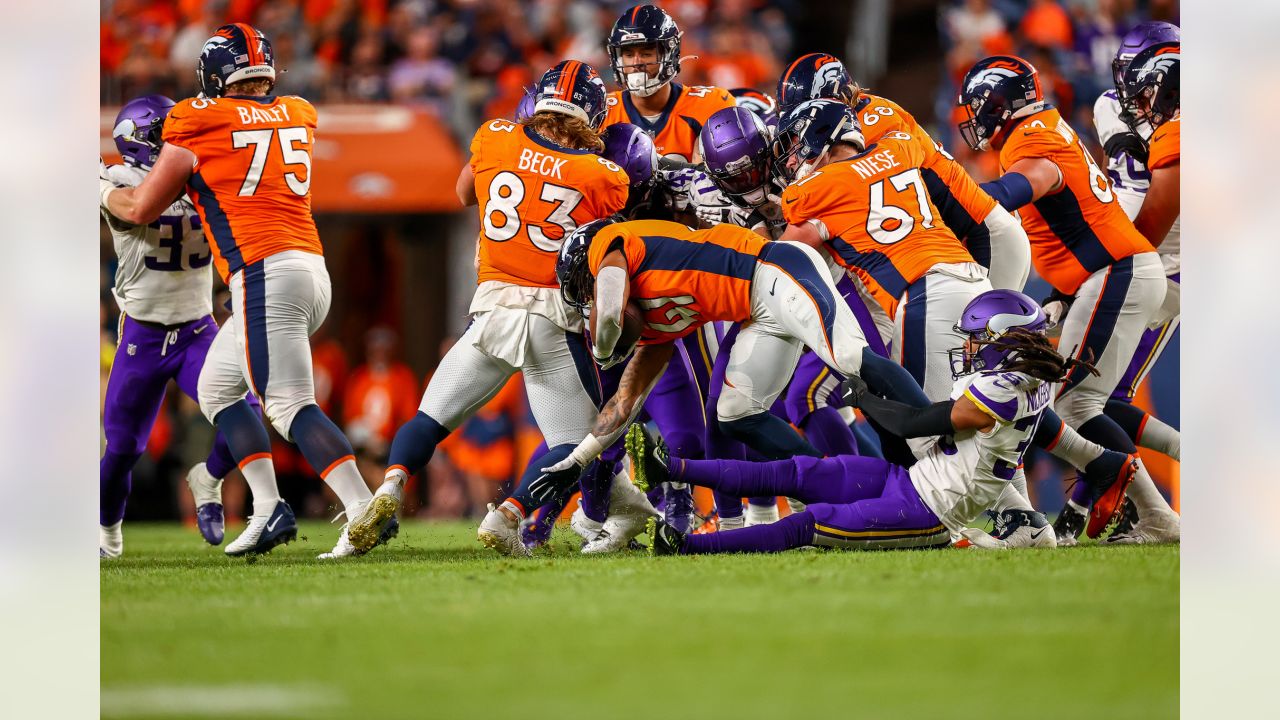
854, 503
147, 358
675, 405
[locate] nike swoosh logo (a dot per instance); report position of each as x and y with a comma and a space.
200, 329
1035, 535
775, 286
790, 200
272, 525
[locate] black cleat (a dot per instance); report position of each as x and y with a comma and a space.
1068, 525
663, 539
649, 458
1128, 518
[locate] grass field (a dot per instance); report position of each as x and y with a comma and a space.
434, 626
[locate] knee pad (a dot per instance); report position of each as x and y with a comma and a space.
281, 411
1077, 407
735, 404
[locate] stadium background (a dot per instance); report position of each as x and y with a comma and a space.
402, 84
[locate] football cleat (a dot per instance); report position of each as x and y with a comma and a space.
207, 491
663, 539
1154, 528
583, 526
1108, 489
1068, 525
499, 531
1128, 518
264, 532
1024, 528
650, 459
366, 525
759, 515
678, 509
344, 548
629, 508
110, 540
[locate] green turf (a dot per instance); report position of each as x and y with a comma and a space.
435, 626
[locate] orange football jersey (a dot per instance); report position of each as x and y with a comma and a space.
876, 214
683, 278
1079, 228
251, 182
676, 129
532, 193
962, 204
1166, 145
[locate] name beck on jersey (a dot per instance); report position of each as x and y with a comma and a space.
274, 114
537, 162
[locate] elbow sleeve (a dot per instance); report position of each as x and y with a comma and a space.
910, 422
1012, 190
611, 285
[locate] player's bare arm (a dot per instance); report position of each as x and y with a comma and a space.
1162, 205
638, 379
164, 184
466, 187
805, 232
612, 291
1026, 181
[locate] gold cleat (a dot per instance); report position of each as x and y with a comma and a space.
364, 531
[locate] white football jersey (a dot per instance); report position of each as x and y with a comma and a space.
962, 475
766, 219
1130, 177
164, 274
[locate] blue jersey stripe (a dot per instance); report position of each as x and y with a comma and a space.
671, 254
876, 264
970, 231
218, 224
1061, 212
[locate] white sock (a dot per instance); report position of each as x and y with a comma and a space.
110, 538
347, 484
1146, 497
397, 474
1075, 449
1161, 437
260, 474
761, 514
1012, 497
1078, 508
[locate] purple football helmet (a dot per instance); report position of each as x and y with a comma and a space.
987, 317
524, 110
138, 129
1141, 37
735, 148
628, 147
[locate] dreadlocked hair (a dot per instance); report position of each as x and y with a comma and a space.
1032, 353
566, 130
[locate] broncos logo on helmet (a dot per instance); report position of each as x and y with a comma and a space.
235, 52
994, 91
812, 77
1151, 89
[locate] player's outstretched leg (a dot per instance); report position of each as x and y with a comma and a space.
272, 522
788, 533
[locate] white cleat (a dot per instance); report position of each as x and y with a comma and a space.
110, 541
500, 530
1162, 529
629, 510
760, 514
585, 527
344, 548
367, 523
795, 505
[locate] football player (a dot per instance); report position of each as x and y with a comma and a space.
644, 52
1004, 383
992, 235
685, 278
244, 156
867, 207
533, 184
163, 286
1082, 243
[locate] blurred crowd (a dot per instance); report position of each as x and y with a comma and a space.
464, 60
1071, 43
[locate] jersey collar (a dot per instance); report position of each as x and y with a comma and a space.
263, 99
637, 118
550, 145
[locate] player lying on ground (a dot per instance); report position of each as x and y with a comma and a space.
164, 287
1005, 375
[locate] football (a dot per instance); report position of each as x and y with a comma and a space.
632, 326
